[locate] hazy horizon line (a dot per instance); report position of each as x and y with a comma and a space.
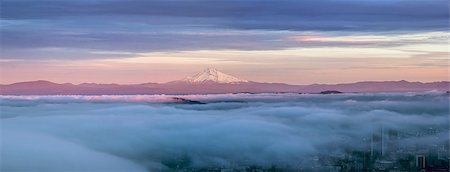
336, 83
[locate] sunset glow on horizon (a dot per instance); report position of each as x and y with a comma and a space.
136, 42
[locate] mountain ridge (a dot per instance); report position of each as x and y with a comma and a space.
51, 88
212, 81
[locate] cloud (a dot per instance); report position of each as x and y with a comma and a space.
53, 154
80, 27
231, 130
25, 44
271, 15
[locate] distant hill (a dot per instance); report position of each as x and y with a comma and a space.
212, 81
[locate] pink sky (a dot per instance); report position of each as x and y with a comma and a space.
295, 42
424, 59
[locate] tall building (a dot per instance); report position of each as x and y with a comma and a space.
420, 162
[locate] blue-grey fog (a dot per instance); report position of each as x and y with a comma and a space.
224, 131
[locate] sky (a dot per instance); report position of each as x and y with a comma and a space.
296, 42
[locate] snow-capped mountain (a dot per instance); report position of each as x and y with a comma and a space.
212, 75
212, 81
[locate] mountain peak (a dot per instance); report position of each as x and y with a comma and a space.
213, 75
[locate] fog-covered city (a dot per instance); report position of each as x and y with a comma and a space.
226, 132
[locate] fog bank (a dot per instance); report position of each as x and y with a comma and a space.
157, 132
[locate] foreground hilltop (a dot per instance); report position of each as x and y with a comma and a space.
212, 81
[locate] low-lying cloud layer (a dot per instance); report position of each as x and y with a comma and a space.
156, 132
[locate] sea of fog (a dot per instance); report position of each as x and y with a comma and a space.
160, 132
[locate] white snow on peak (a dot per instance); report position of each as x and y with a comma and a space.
211, 74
